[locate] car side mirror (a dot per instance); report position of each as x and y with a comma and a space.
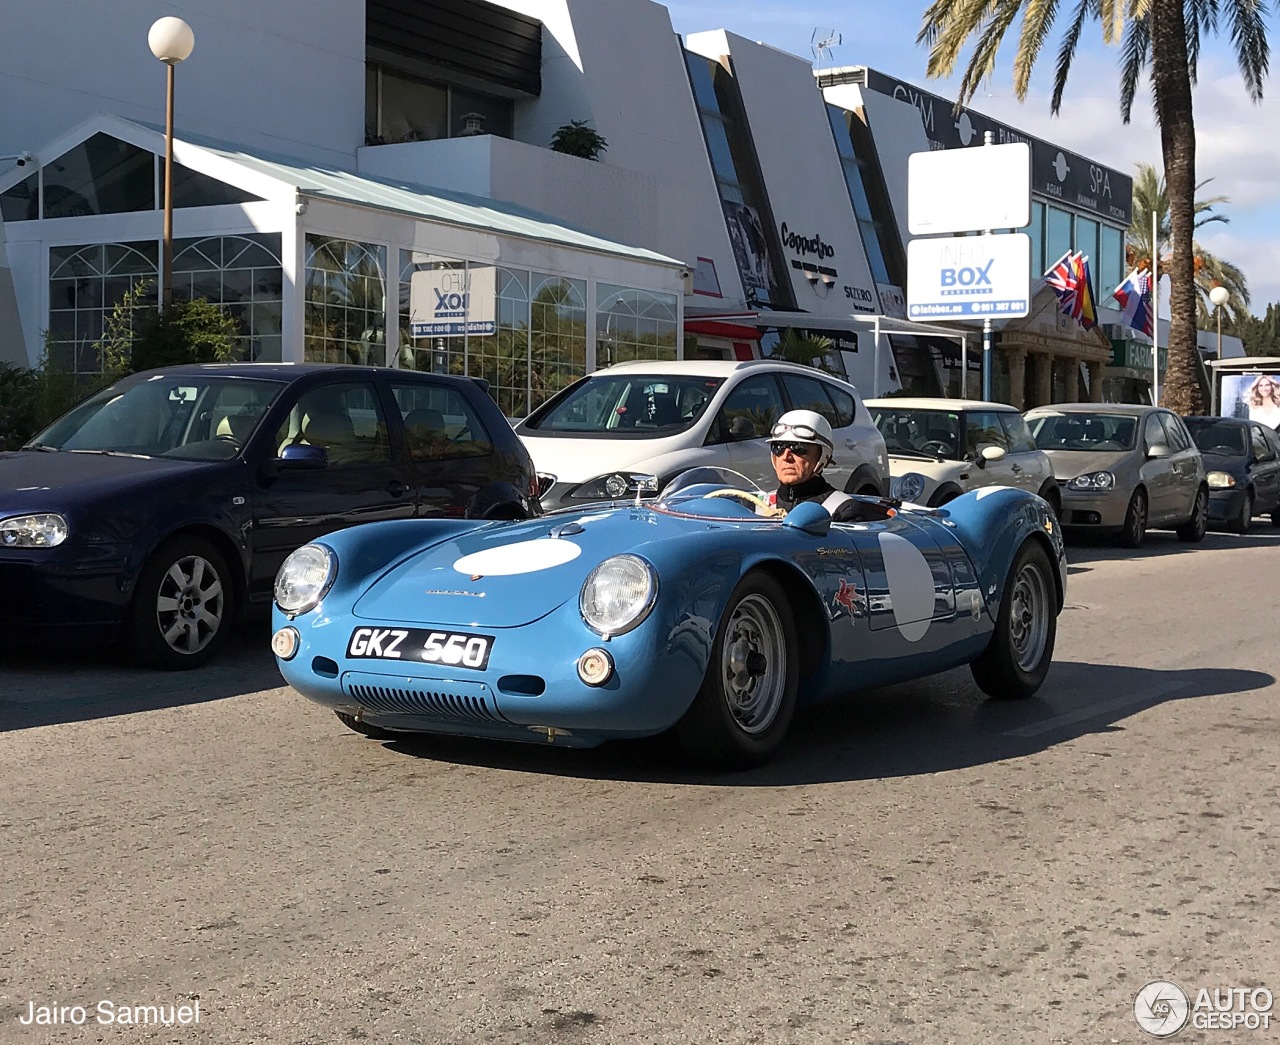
990, 452
304, 458
1158, 450
812, 518
741, 428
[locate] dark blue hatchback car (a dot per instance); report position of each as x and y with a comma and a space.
162, 507
1242, 463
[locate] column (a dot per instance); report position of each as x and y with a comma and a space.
1095, 382
1017, 376
1044, 378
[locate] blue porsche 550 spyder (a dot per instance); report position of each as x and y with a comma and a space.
700, 612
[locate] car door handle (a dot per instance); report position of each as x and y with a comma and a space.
1017, 468
397, 488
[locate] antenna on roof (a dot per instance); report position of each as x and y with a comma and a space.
822, 41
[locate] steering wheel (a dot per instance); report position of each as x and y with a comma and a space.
936, 446
224, 438
757, 502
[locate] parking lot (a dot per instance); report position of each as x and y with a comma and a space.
920, 865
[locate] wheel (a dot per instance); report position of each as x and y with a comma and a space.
1017, 659
183, 605
744, 707
1135, 521
1193, 529
942, 495
356, 726
1245, 519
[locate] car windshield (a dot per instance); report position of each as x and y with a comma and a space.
917, 432
1088, 432
1217, 437
192, 418
719, 493
638, 405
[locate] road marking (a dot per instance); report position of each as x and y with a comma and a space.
1070, 718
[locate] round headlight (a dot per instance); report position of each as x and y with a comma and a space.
1221, 480
1093, 481
618, 594
33, 531
305, 578
908, 487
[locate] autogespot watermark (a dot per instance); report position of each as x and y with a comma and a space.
1162, 1008
109, 1013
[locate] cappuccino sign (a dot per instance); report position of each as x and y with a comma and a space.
806, 246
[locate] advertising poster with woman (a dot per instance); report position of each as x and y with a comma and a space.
1255, 396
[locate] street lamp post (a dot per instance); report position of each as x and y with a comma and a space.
170, 40
1219, 296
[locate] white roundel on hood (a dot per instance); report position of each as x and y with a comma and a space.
523, 557
910, 586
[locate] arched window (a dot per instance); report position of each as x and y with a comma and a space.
558, 334
346, 291
85, 283
634, 324
244, 276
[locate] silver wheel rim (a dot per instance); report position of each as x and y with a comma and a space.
1029, 616
1139, 517
753, 667
190, 604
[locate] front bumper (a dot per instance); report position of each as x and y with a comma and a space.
1093, 510
1224, 505
54, 591
530, 690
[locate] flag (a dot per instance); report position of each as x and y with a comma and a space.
1134, 296
1068, 277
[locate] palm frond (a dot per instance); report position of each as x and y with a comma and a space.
1134, 51
1247, 21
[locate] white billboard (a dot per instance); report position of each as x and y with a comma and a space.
453, 302
960, 277
977, 189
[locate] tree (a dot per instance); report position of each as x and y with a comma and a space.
1163, 35
1151, 200
1261, 337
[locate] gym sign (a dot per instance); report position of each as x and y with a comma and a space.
962, 277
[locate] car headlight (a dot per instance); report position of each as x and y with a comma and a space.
1221, 480
615, 486
33, 531
908, 487
618, 594
1092, 481
305, 578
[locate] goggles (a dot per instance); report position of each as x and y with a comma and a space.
799, 449
805, 432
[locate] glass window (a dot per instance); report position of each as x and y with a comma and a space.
473, 113
344, 419
1015, 426
1086, 432
634, 324
807, 393
439, 423
100, 176
345, 294
558, 334
758, 399
1086, 240
1214, 436
983, 428
21, 202
193, 189
411, 110
1262, 448
1111, 268
233, 271
1153, 433
638, 406
1178, 437
1057, 237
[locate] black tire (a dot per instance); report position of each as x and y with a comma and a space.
1193, 530
1275, 517
1050, 492
942, 495
1017, 659
184, 605
744, 707
356, 726
1245, 519
1134, 531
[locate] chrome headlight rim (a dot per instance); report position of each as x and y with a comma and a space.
1218, 480
640, 611
322, 589
908, 487
22, 531
1093, 482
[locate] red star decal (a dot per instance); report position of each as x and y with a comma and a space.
846, 595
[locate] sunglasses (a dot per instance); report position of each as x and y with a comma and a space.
799, 449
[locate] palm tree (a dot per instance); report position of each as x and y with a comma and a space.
1162, 34
1150, 199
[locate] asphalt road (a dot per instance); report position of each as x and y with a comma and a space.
919, 866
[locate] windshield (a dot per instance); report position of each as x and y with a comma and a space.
929, 433
1215, 437
1088, 432
718, 493
636, 406
191, 417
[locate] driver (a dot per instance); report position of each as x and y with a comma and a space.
801, 446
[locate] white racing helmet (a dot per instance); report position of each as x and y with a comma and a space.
805, 426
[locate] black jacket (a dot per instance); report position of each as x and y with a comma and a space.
817, 489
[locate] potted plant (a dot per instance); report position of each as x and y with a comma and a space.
575, 138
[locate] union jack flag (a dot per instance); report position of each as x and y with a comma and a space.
1134, 296
1069, 279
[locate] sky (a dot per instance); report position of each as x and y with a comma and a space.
1237, 140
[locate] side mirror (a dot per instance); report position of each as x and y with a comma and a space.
1158, 450
812, 518
991, 452
304, 458
741, 428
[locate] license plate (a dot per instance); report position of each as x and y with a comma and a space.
455, 649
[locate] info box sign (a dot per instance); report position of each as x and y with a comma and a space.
969, 190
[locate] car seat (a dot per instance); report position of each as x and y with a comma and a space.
327, 425
235, 427
425, 430
1094, 431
